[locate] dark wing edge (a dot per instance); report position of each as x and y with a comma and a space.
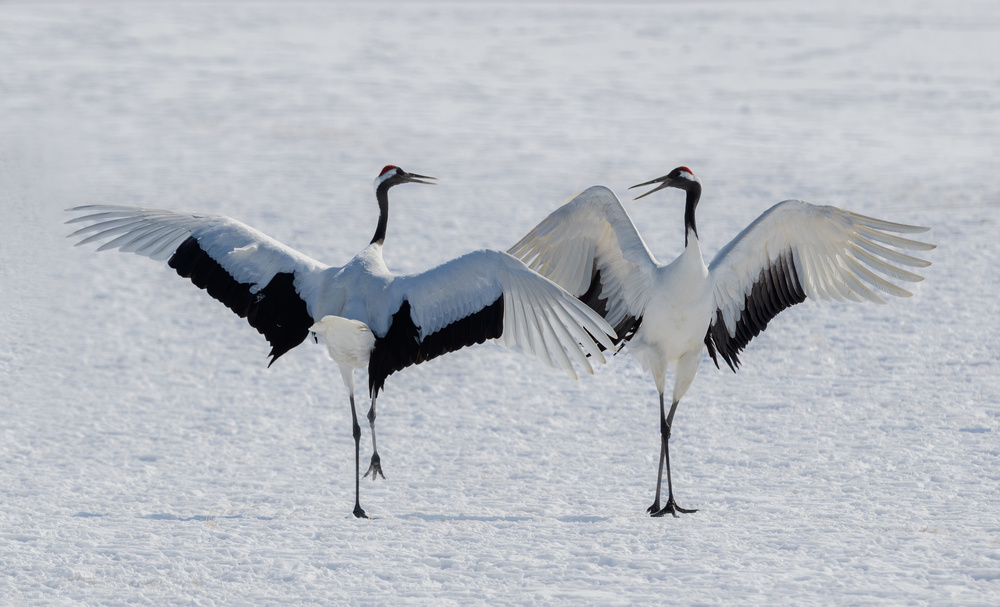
276, 311
231, 260
593, 237
625, 328
776, 288
401, 346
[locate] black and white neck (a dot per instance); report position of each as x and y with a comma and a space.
693, 189
383, 182
683, 179
390, 176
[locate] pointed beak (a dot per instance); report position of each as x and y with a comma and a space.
665, 182
414, 178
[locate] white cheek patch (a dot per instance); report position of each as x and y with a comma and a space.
393, 172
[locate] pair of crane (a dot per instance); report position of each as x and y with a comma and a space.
579, 284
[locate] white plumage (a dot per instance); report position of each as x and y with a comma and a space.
367, 315
349, 343
670, 313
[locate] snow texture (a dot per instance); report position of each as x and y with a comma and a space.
148, 456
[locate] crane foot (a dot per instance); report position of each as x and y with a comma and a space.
359, 513
375, 468
671, 508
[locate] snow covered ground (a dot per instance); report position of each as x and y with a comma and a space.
148, 456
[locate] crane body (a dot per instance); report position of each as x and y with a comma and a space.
667, 316
367, 316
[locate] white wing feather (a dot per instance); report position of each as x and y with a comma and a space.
248, 255
592, 231
540, 318
834, 252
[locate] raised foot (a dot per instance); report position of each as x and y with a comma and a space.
375, 468
359, 513
671, 508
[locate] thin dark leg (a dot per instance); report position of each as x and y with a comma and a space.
375, 468
663, 449
671, 507
358, 512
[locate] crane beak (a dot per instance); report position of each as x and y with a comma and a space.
414, 178
665, 182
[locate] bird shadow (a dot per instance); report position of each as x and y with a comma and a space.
200, 518
582, 518
463, 517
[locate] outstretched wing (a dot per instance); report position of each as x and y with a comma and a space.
479, 296
797, 250
590, 247
257, 277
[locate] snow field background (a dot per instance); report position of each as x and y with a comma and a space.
148, 456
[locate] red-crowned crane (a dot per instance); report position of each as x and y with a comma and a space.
669, 314
368, 316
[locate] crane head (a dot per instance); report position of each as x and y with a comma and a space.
393, 175
681, 178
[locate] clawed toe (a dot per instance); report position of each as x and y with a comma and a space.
375, 468
671, 508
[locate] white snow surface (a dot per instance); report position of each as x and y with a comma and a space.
148, 456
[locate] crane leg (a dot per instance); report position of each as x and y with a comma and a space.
375, 468
664, 432
671, 506
358, 512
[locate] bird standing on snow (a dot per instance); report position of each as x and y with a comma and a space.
670, 314
368, 316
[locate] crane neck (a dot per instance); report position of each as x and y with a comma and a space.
693, 196
382, 195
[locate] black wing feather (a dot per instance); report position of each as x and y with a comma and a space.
276, 311
776, 289
625, 328
401, 347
